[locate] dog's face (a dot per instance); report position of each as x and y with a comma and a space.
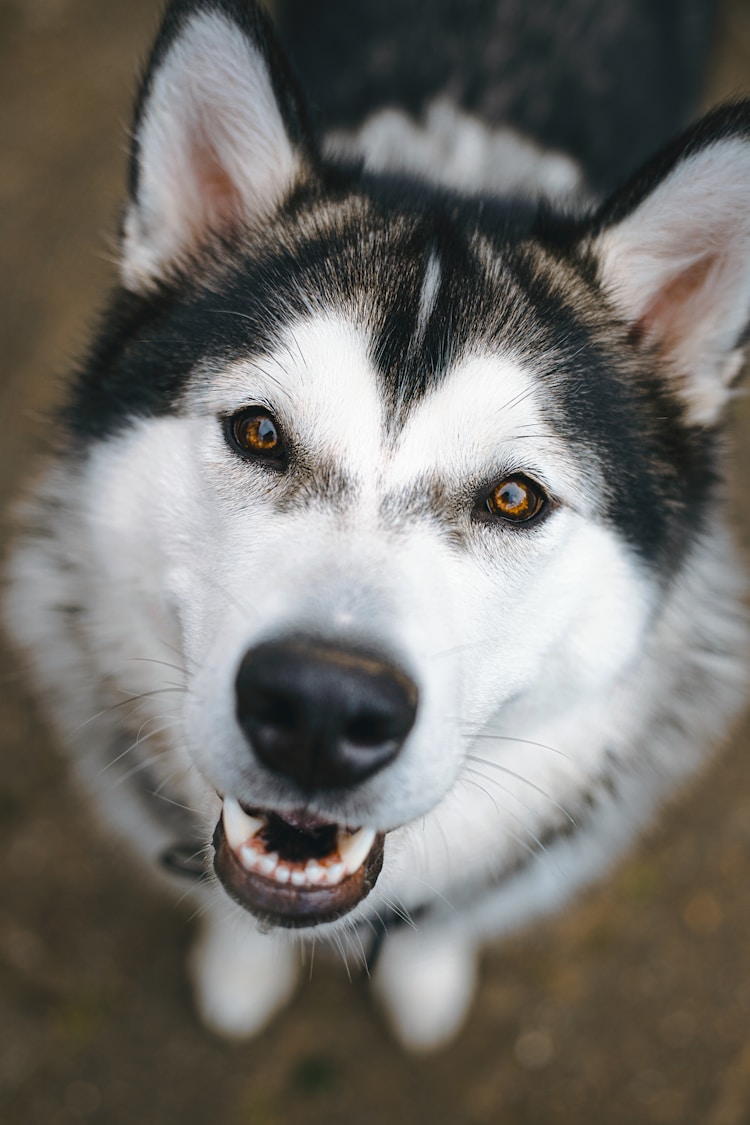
402, 474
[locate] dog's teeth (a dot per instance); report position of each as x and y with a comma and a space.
334, 873
314, 873
238, 826
266, 865
240, 831
354, 849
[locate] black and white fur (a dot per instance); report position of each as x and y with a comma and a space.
430, 302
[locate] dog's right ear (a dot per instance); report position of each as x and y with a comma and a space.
672, 250
220, 136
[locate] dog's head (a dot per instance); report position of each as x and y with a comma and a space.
393, 471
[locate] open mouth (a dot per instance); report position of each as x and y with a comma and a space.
294, 870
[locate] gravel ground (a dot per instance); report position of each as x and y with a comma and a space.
631, 1007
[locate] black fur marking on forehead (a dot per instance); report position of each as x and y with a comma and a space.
438, 232
414, 345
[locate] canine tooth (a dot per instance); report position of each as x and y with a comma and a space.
238, 826
282, 874
354, 849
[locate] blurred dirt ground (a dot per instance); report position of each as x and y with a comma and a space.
633, 1007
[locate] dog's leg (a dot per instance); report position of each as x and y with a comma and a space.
426, 982
240, 976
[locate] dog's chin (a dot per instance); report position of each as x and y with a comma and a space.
294, 870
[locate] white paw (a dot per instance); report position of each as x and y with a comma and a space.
241, 977
426, 984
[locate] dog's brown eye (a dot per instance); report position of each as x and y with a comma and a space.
255, 434
516, 499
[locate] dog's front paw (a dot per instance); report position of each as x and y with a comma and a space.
241, 977
426, 984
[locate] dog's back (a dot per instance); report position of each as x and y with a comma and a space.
605, 83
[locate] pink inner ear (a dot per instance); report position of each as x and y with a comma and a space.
679, 306
218, 194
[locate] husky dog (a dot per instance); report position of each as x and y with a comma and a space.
382, 573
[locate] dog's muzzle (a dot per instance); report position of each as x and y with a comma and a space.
327, 719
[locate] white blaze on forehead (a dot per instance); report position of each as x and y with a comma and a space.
321, 385
479, 415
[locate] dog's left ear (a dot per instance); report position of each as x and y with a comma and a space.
220, 137
673, 256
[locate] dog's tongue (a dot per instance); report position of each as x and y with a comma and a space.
295, 870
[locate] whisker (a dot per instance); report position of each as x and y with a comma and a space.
399, 910
437, 893
203, 907
201, 851
204, 879
340, 946
371, 925
490, 737
170, 800
140, 740
143, 765
441, 830
482, 789
113, 707
533, 852
355, 940
519, 777
540, 846
163, 663
168, 687
499, 785
173, 648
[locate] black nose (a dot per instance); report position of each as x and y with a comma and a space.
326, 717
